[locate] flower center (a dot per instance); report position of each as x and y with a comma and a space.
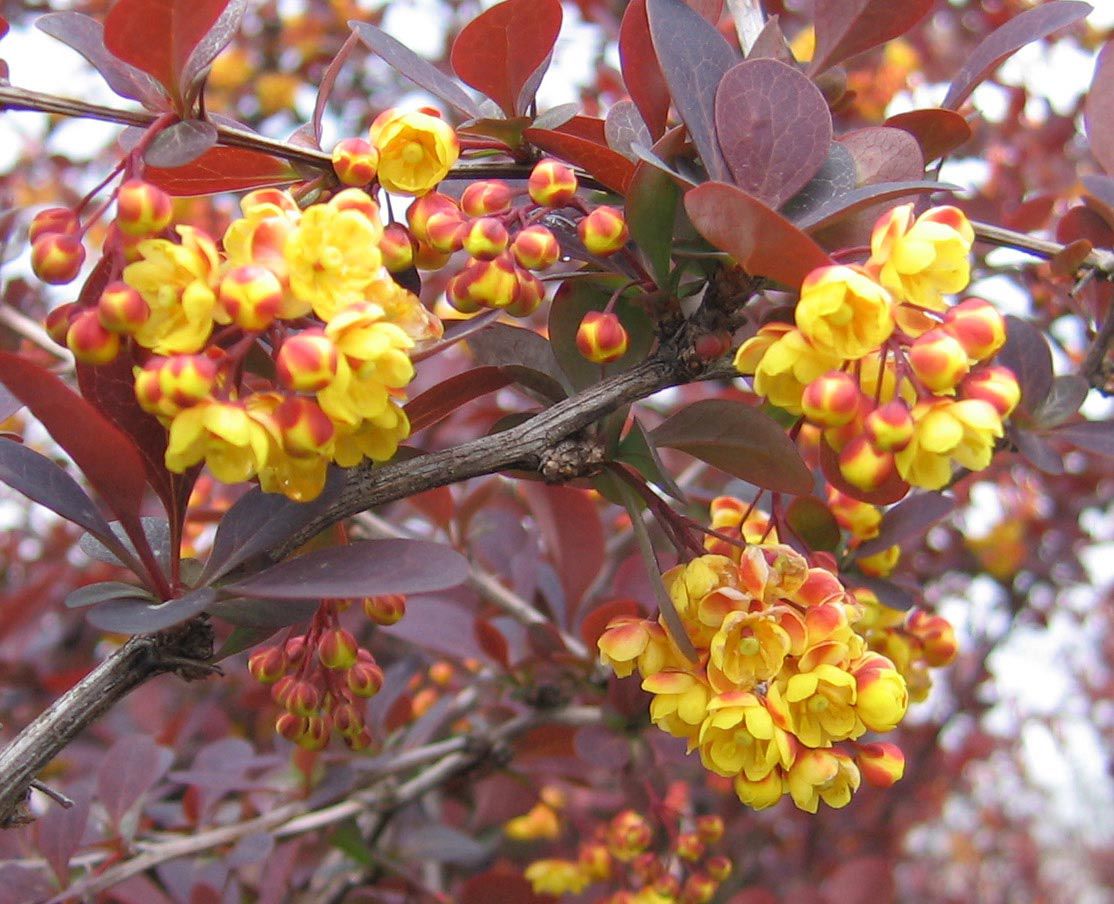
817, 704
749, 646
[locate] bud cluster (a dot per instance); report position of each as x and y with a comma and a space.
901, 385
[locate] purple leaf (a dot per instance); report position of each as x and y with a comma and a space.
257, 613
214, 41
328, 82
1100, 194
9, 404
889, 593
420, 71
129, 769
694, 58
58, 834
1031, 25
1026, 353
95, 594
836, 177
442, 844
1098, 109
771, 44
574, 538
884, 154
1090, 436
907, 521
501, 344
847, 27
624, 127
862, 198
439, 624
1065, 396
363, 568
937, 131
251, 849
181, 143
137, 616
773, 127
813, 522
86, 36
1037, 451
740, 440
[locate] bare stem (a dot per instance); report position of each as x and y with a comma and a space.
1099, 259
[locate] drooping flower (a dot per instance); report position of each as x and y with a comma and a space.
844, 312
921, 259
416, 150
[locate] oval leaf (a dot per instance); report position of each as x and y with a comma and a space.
907, 521
1026, 353
884, 154
1065, 395
180, 144
847, 27
862, 198
1090, 436
610, 167
813, 522
623, 127
740, 440
641, 73
1098, 109
773, 127
95, 594
137, 616
222, 169
257, 613
364, 568
937, 131
438, 402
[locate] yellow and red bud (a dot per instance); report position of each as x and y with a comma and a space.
881, 764
667, 887
481, 199
267, 665
122, 309
938, 360
397, 248
316, 734
355, 161
57, 322
358, 200
601, 337
604, 231
890, 426
290, 726
710, 827
628, 835
298, 697
142, 209
428, 258
531, 293
89, 341
937, 636
881, 564
492, 284
60, 220
536, 248
457, 295
420, 211
551, 184
978, 327
251, 295
305, 429
831, 400
864, 466
445, 232
719, 867
364, 679
360, 741
995, 385
295, 649
595, 860
690, 846
126, 245
347, 719
386, 609
56, 258
699, 888
485, 238
307, 362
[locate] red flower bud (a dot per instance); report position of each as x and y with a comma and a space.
535, 248
307, 362
831, 400
57, 258
337, 649
486, 238
603, 231
601, 337
387, 609
397, 248
251, 295
59, 220
122, 309
267, 665
481, 199
142, 208
354, 161
551, 184
90, 342
364, 679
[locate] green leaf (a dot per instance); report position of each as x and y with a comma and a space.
651, 212
813, 522
637, 451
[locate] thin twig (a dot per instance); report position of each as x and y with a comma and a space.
1099, 259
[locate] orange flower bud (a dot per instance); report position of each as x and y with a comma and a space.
535, 248
480, 199
699, 888
881, 564
267, 665
551, 184
604, 231
938, 360
996, 385
831, 400
57, 322
628, 835
710, 827
290, 726
358, 200
360, 741
316, 734
90, 342
364, 679
978, 327
295, 649
299, 697
419, 212
427, 258
864, 466
937, 637
456, 294
387, 609
59, 220
307, 362
56, 258
485, 238
347, 720
890, 427
305, 429
397, 248
492, 284
142, 208
355, 161
601, 337
881, 764
122, 309
719, 867
531, 293
251, 296
689, 846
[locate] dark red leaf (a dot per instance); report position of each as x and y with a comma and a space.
773, 127
590, 128
438, 624
182, 143
835, 178
711, 10
813, 522
891, 491
1037, 450
1083, 223
58, 834
847, 27
762, 241
862, 198
1024, 28
132, 615
909, 520
884, 154
603, 747
1026, 353
608, 166
223, 169
500, 884
938, 131
1100, 195
158, 36
570, 525
1090, 436
363, 568
771, 44
492, 641
595, 622
440, 401
694, 57
129, 769
505, 345
218, 37
641, 73
418, 69
740, 440
256, 614
502, 49
1098, 110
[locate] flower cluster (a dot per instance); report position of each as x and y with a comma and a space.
898, 381
783, 675
620, 855
321, 677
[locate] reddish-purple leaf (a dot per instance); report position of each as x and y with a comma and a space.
219, 36
1098, 110
907, 521
223, 169
937, 131
437, 623
129, 769
740, 440
133, 615
609, 167
58, 834
1036, 449
773, 127
1090, 436
862, 198
889, 593
440, 401
492, 641
884, 154
182, 143
711, 10
418, 69
813, 522
641, 73
502, 49
694, 58
1026, 353
835, 178
570, 524
159, 36
1083, 223
1100, 194
503, 345
624, 127
312, 129
762, 241
771, 44
500, 884
102, 592
1066, 394
263, 614
595, 622
1024, 28
847, 27
603, 747
364, 568
86, 36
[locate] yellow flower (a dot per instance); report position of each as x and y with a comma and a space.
703, 592
541, 821
918, 261
748, 647
222, 434
629, 642
405, 310
178, 283
827, 775
944, 431
739, 735
761, 793
844, 312
817, 706
556, 877
882, 696
680, 702
416, 150
259, 237
783, 362
375, 348
375, 437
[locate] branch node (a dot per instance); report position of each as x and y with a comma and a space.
571, 458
